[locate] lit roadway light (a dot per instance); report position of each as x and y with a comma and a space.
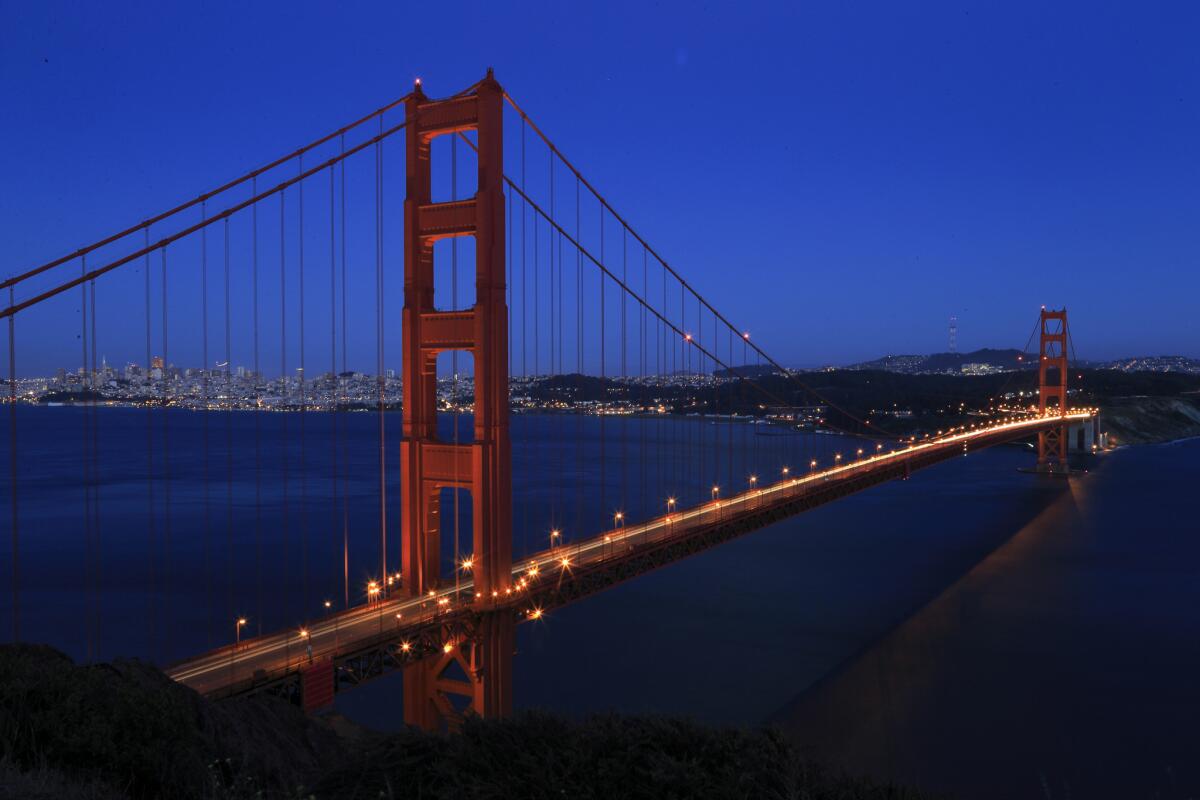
716, 490
405, 647
535, 613
303, 632
468, 563
837, 457
237, 630
860, 452
812, 464
328, 605
753, 480
617, 517
555, 534
785, 472
566, 562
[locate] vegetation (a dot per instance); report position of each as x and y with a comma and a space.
124, 730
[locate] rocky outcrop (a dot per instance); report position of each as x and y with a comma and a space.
1144, 420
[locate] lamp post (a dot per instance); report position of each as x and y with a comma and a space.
237, 640
328, 606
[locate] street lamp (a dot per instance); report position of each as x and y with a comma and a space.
716, 490
237, 631
812, 465
328, 606
617, 517
555, 534
753, 480
837, 457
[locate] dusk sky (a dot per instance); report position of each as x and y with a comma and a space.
841, 177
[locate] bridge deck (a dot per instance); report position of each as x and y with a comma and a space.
386, 634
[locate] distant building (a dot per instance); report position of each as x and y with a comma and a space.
980, 369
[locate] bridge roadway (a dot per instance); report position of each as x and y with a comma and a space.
385, 634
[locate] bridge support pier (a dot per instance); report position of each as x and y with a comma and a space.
473, 676
478, 670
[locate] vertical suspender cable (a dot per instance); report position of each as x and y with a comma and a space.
580, 382
335, 406
166, 471
12, 469
379, 357
205, 366
228, 441
642, 422
304, 587
524, 296
151, 604
508, 286
285, 394
603, 383
624, 371
345, 491
97, 550
86, 385
258, 379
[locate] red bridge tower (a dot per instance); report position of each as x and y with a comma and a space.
1052, 390
476, 670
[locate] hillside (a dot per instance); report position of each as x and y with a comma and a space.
124, 730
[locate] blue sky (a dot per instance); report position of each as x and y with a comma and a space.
843, 177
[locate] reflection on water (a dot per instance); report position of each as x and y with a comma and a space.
1064, 664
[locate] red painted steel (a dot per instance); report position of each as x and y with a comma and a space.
1052, 388
316, 685
428, 464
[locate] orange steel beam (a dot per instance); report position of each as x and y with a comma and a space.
427, 464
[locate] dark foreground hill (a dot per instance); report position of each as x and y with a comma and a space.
124, 730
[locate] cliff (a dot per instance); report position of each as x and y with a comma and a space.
1144, 420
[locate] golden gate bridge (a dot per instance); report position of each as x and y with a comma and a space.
575, 291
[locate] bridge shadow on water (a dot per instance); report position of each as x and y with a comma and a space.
1061, 665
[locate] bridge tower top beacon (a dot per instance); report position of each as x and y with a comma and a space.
427, 464
1052, 388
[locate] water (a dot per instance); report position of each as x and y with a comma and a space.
973, 629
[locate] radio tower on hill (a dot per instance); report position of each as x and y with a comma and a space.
953, 334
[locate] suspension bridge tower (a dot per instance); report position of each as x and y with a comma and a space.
1052, 390
473, 674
